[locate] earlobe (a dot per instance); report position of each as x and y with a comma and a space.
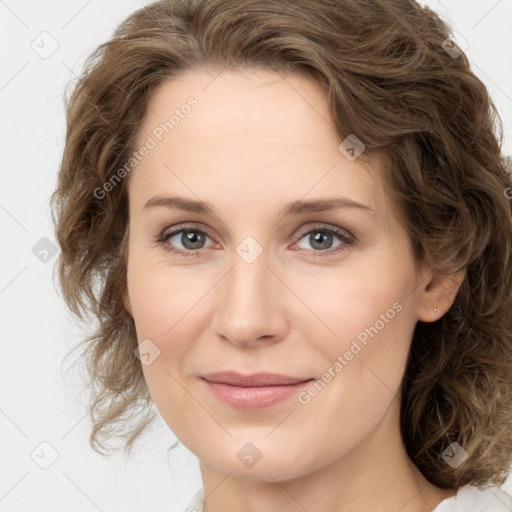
438, 295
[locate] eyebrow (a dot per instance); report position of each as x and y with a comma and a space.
299, 207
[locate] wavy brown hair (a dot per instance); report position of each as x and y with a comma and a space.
391, 81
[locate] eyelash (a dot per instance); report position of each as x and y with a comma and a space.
346, 239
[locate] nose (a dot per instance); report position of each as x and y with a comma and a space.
251, 304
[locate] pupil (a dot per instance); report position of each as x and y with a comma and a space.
192, 240
317, 239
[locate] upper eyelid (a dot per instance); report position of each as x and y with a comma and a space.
326, 227
167, 232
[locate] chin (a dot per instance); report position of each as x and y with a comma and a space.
257, 458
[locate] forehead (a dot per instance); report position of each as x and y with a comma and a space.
252, 103
247, 130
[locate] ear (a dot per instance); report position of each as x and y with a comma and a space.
123, 252
127, 303
438, 294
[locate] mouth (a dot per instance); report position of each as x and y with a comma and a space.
253, 392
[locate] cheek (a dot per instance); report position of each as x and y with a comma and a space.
165, 304
362, 364
169, 309
161, 298
371, 314
361, 303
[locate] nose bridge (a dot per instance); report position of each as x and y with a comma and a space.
249, 305
249, 280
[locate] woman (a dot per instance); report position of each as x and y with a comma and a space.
291, 222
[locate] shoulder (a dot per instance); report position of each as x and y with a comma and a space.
468, 497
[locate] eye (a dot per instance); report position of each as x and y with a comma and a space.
191, 239
325, 239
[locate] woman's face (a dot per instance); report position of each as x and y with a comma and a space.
292, 262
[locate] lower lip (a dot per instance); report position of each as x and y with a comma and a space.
256, 397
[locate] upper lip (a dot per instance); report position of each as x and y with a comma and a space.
256, 379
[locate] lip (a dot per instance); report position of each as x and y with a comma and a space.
256, 391
255, 379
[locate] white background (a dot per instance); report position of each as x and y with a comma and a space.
37, 402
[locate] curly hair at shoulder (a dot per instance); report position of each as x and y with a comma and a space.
389, 79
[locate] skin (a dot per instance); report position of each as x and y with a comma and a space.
293, 310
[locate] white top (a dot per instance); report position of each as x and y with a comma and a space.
470, 498
467, 499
